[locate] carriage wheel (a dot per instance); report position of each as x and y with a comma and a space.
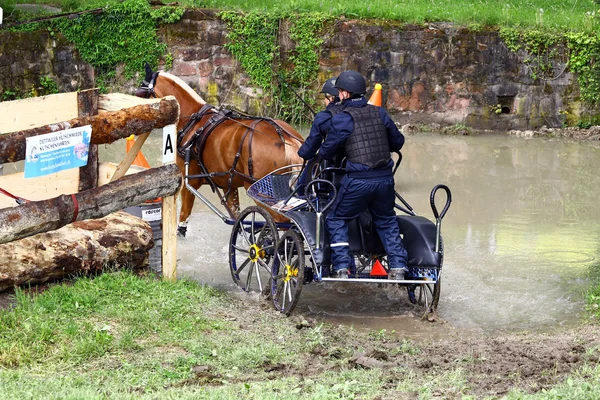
426, 295
288, 272
252, 248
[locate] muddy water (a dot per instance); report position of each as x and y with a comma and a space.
521, 238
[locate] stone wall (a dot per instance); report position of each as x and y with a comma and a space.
26, 57
430, 74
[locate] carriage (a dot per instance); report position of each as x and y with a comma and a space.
279, 247
278, 258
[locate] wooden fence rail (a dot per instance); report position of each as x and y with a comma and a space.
46, 215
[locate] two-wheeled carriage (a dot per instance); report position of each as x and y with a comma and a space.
278, 258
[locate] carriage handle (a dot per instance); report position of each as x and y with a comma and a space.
333, 191
408, 210
438, 217
432, 201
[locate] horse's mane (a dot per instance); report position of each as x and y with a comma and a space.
184, 86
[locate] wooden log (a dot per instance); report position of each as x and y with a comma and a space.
118, 101
87, 105
46, 215
169, 239
124, 165
84, 247
106, 127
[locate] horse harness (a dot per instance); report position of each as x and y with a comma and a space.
197, 142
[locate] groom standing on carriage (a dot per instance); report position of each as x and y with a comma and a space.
367, 135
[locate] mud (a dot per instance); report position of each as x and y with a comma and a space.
489, 365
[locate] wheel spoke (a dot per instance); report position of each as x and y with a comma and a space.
283, 297
281, 261
252, 236
249, 277
285, 251
241, 268
289, 289
269, 247
258, 275
264, 265
245, 235
241, 249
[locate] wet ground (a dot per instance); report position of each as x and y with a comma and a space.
520, 238
520, 251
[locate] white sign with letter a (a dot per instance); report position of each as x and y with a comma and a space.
169, 143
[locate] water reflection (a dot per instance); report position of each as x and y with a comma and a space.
520, 239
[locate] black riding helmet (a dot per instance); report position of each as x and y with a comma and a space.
329, 88
351, 81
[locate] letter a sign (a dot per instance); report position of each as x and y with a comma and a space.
169, 144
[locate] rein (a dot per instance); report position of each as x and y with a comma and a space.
19, 200
197, 141
186, 141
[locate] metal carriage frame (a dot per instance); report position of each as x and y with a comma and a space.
278, 258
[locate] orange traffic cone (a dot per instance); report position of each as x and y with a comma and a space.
378, 269
139, 160
376, 96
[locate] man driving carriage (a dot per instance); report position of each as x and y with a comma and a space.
366, 134
319, 129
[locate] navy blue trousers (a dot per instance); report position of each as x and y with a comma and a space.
354, 197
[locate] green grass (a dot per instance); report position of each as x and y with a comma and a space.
124, 336
576, 15
94, 317
128, 337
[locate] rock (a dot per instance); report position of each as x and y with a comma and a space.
360, 359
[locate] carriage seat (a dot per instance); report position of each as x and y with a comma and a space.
418, 237
334, 176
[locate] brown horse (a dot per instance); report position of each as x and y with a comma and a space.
236, 148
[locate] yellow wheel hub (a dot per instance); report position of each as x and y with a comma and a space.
290, 272
255, 252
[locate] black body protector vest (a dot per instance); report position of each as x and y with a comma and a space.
368, 144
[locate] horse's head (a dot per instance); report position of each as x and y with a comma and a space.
146, 89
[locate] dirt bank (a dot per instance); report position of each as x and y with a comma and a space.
452, 365
592, 133
485, 365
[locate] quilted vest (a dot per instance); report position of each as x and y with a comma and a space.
368, 144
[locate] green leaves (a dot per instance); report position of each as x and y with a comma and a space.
285, 77
124, 33
545, 49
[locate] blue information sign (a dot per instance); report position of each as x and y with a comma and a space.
57, 151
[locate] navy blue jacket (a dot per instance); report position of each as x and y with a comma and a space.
321, 125
342, 126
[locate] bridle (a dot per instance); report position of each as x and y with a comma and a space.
146, 89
